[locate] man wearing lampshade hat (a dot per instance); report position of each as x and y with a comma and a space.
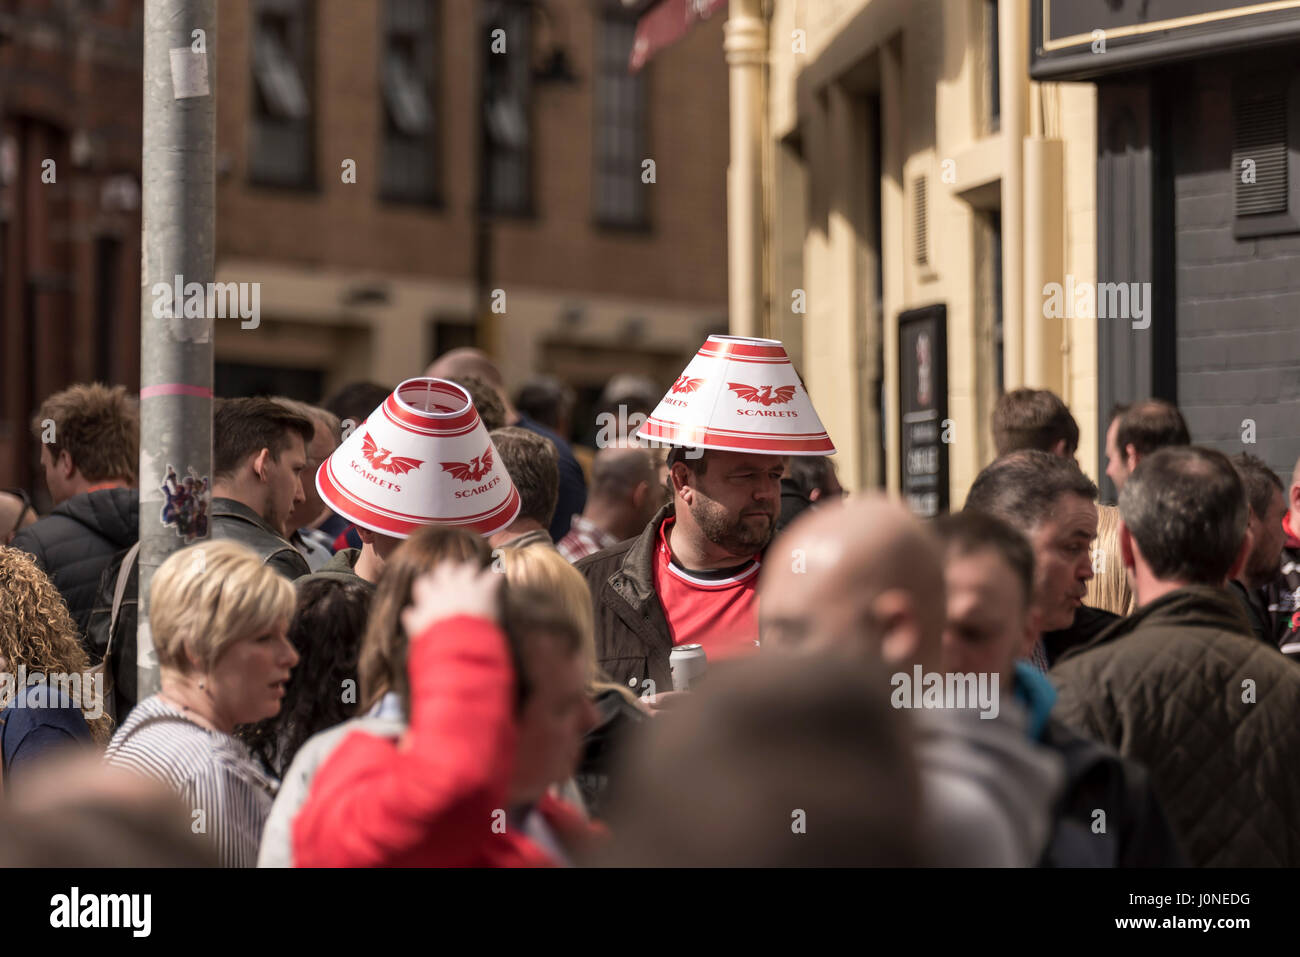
732, 418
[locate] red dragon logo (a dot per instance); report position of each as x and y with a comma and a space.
683, 384
473, 470
764, 395
397, 464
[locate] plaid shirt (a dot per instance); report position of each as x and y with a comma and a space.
584, 538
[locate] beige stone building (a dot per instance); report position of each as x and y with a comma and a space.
909, 163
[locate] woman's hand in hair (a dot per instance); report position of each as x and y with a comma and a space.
452, 588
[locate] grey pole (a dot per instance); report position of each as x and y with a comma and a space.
175, 349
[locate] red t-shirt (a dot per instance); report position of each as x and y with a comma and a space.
716, 610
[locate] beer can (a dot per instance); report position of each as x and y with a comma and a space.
687, 663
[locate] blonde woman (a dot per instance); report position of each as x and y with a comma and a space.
219, 618
41, 662
618, 709
1109, 588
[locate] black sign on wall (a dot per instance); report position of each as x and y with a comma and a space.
1084, 39
923, 408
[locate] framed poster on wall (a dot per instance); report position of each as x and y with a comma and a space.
923, 407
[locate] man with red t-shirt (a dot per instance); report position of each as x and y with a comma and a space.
690, 577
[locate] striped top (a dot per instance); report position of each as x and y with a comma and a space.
226, 792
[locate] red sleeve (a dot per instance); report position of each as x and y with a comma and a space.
429, 800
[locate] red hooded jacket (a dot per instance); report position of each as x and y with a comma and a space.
428, 800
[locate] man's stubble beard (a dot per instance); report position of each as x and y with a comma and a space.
736, 537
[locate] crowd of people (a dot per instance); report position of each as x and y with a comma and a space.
1038, 679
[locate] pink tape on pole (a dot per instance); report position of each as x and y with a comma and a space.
175, 388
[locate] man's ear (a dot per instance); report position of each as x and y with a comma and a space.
1126, 547
64, 464
679, 480
1130, 457
814, 495
366, 535
639, 492
259, 463
1059, 449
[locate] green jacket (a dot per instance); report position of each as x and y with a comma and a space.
1183, 688
342, 566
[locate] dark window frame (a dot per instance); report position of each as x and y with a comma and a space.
993, 86
1275, 224
510, 15
302, 49
606, 63
428, 62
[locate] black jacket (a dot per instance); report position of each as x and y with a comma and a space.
793, 504
572, 496
237, 522
606, 748
1255, 607
632, 637
1134, 831
1088, 624
76, 541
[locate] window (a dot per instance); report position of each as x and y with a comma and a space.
108, 268
283, 128
1266, 155
994, 63
620, 133
507, 109
408, 81
920, 222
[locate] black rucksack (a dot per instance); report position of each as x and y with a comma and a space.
111, 631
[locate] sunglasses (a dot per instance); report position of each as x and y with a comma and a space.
22, 496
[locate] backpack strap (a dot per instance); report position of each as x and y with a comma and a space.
119, 592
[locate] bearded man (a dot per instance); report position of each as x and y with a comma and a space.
691, 576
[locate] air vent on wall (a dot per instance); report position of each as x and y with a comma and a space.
1259, 152
920, 222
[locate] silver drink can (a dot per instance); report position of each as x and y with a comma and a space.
687, 663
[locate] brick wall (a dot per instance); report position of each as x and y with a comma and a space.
1238, 301
682, 258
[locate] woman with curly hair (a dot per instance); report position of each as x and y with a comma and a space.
326, 632
48, 699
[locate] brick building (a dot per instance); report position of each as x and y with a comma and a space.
540, 208
512, 178
70, 93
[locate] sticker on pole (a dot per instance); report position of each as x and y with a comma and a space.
186, 507
189, 72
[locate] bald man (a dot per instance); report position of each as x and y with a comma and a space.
624, 496
458, 363
865, 579
15, 515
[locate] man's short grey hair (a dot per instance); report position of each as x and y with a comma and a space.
319, 418
1185, 506
1022, 488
